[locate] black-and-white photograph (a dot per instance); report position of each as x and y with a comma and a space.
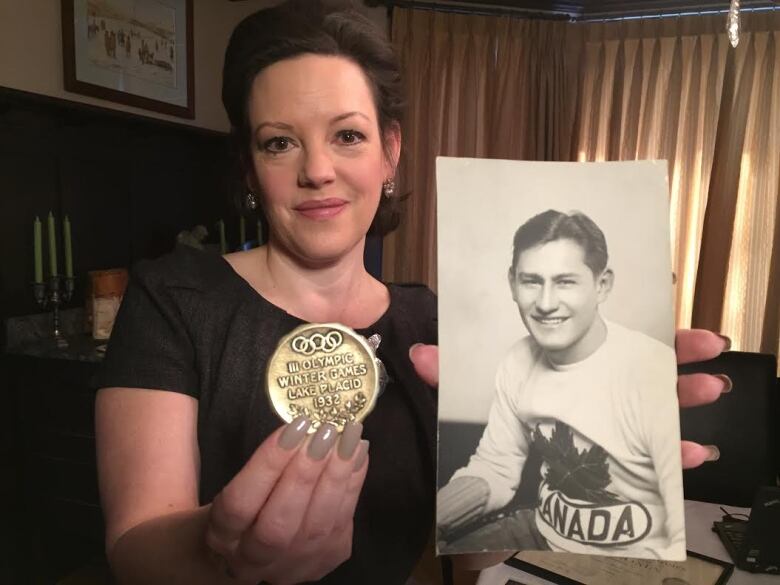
558, 414
135, 38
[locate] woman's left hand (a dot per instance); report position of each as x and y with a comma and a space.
692, 345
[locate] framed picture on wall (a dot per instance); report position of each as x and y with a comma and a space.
135, 52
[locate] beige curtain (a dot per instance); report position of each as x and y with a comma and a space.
652, 90
737, 288
467, 77
644, 89
673, 88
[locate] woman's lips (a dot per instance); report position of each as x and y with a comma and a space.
321, 208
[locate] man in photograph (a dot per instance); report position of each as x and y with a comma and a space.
592, 401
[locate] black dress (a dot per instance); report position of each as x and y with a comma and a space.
189, 323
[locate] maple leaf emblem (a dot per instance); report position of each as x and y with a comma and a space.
583, 475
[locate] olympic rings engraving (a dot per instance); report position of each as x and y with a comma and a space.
317, 342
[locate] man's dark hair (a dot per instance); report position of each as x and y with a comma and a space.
318, 27
552, 225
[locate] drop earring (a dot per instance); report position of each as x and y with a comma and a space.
388, 188
251, 201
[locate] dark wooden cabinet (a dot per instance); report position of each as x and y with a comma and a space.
56, 516
128, 184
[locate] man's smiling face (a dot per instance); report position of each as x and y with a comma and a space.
558, 296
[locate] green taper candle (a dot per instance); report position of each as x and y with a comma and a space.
52, 232
68, 249
38, 249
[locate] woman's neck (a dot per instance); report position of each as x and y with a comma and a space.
341, 291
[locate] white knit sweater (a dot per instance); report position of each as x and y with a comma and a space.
625, 500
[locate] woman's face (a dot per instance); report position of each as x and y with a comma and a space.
317, 155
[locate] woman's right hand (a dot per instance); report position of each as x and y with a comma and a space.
286, 517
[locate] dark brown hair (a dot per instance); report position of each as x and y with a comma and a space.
553, 225
319, 27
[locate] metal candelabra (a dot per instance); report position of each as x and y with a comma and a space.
57, 291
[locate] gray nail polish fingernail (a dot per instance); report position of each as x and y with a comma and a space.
714, 453
727, 383
322, 441
294, 432
362, 455
349, 440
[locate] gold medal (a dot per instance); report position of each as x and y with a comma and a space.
326, 372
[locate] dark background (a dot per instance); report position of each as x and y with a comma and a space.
128, 184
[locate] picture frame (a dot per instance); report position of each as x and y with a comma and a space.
133, 52
697, 569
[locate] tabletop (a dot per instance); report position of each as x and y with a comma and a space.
699, 517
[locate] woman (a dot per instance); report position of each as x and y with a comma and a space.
198, 484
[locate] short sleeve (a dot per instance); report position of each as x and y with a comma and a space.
150, 346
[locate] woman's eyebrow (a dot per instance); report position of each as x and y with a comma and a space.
346, 115
276, 125
290, 128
